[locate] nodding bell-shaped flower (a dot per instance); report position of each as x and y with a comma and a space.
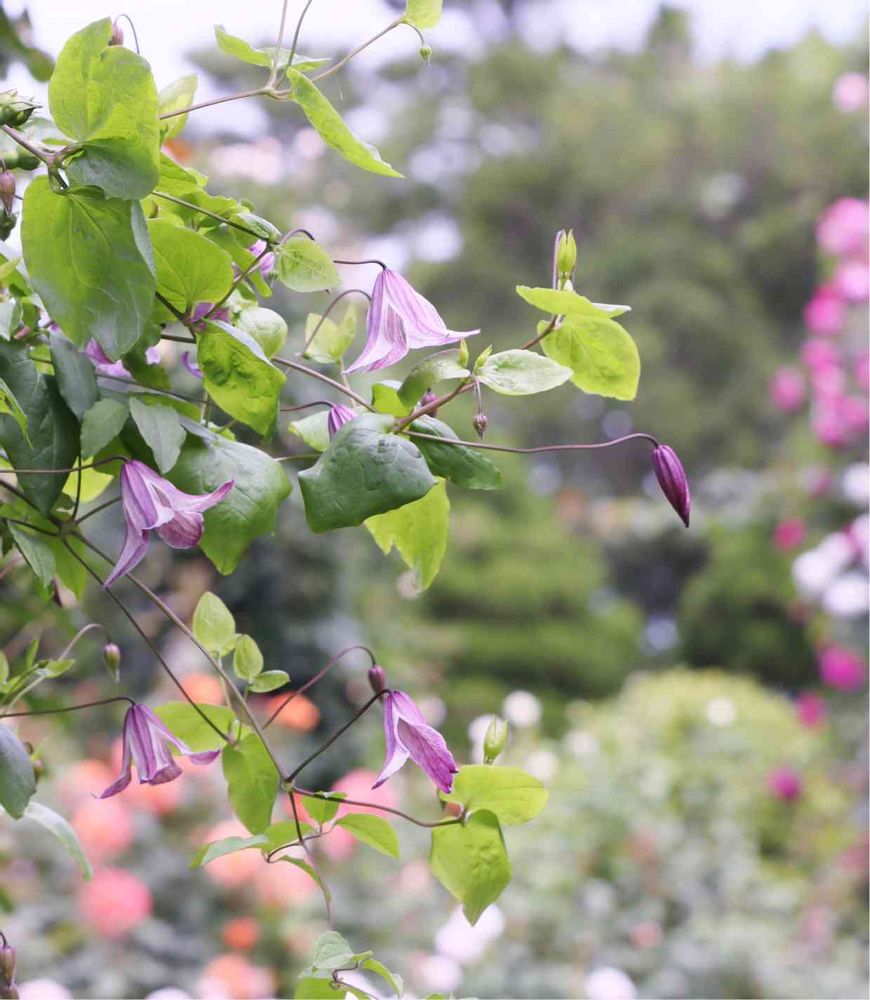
400, 320
338, 416
408, 735
672, 479
147, 744
151, 503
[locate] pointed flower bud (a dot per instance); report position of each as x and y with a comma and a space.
494, 740
7, 964
117, 35
480, 424
378, 679
566, 253
112, 658
672, 479
425, 52
7, 190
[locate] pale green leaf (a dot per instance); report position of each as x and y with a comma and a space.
214, 625
600, 353
49, 820
514, 796
522, 373
304, 266
372, 830
102, 422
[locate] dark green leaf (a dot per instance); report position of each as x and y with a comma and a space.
461, 465
514, 796
75, 374
190, 268
160, 427
304, 266
49, 820
600, 353
17, 781
102, 423
252, 782
372, 830
36, 551
365, 471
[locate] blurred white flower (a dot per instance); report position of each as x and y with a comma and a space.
522, 708
440, 973
43, 989
458, 940
543, 765
262, 161
581, 743
432, 708
856, 484
814, 571
607, 983
848, 596
721, 711
168, 993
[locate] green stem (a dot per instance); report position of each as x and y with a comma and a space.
356, 51
260, 92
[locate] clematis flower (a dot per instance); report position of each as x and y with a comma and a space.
338, 416
408, 735
191, 365
400, 320
151, 502
147, 744
672, 479
114, 369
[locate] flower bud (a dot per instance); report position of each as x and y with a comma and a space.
338, 416
495, 740
7, 965
9, 992
672, 479
378, 679
566, 253
427, 398
15, 110
425, 53
117, 35
7, 190
7, 222
480, 424
112, 658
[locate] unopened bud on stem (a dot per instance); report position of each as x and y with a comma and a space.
7, 965
495, 740
566, 253
480, 424
378, 679
112, 658
7, 190
672, 479
117, 35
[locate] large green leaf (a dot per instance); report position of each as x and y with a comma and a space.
304, 266
422, 13
49, 820
249, 510
160, 427
600, 353
521, 373
190, 267
364, 471
252, 782
75, 374
458, 463
239, 377
102, 422
17, 781
419, 531
562, 301
90, 260
52, 440
327, 121
471, 862
372, 830
105, 98
514, 796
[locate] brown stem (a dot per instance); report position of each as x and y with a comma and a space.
534, 451
296, 366
260, 92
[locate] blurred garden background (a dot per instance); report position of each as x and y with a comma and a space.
694, 700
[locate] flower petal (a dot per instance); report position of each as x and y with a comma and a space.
396, 754
183, 531
133, 552
429, 751
421, 322
126, 774
385, 343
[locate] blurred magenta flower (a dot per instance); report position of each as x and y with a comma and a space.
789, 534
400, 320
841, 669
407, 735
114, 369
147, 743
152, 502
862, 371
852, 280
825, 313
672, 479
787, 390
844, 227
785, 784
819, 355
114, 902
850, 92
811, 709
338, 416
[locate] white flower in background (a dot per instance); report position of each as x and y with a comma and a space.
856, 484
43, 989
581, 743
814, 571
543, 765
721, 711
522, 709
439, 973
168, 993
263, 161
607, 983
458, 940
848, 596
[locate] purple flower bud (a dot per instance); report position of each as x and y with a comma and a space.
7, 965
191, 365
338, 416
427, 398
117, 35
7, 190
672, 479
480, 424
378, 679
267, 262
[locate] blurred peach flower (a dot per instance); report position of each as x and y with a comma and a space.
282, 884
233, 977
114, 902
357, 785
105, 828
300, 713
85, 779
240, 933
203, 688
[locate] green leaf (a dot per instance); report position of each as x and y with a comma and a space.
237, 47
514, 796
332, 339
17, 781
471, 862
239, 377
311, 988
322, 808
52, 440
37, 553
76, 378
304, 266
372, 830
331, 952
185, 722
564, 301
4, 668
257, 224
190, 268
90, 260
252, 782
247, 658
419, 531
600, 353
160, 427
269, 680
521, 373
265, 326
385, 398
392, 979
49, 820
228, 845
177, 96
461, 465
313, 430
327, 121
364, 471
9, 404
105, 98
214, 625
261, 485
422, 13
101, 424
423, 376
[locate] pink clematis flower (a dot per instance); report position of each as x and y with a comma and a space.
147, 744
339, 415
400, 320
151, 502
114, 369
408, 735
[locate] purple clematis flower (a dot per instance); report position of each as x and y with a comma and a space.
267, 264
147, 744
338, 416
408, 735
152, 502
672, 479
191, 365
114, 369
400, 320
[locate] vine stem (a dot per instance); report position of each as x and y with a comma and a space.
534, 451
313, 373
434, 405
211, 215
356, 51
375, 805
46, 157
99, 509
259, 92
327, 311
295, 41
69, 708
335, 736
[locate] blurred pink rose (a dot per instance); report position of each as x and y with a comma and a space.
785, 783
282, 885
819, 355
841, 669
105, 828
233, 977
114, 902
852, 280
829, 428
850, 92
787, 390
811, 709
825, 313
844, 227
789, 534
85, 779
